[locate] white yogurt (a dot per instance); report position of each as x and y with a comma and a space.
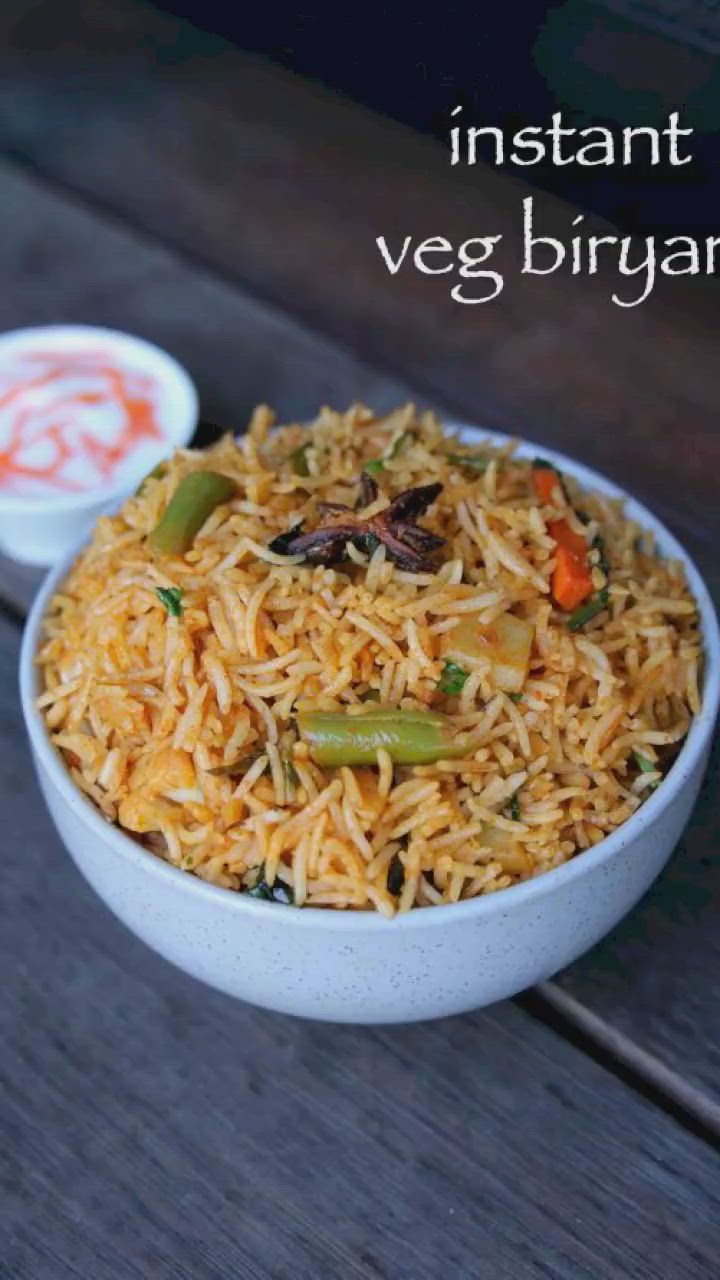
84, 414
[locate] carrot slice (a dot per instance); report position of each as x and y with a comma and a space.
546, 481
565, 536
571, 580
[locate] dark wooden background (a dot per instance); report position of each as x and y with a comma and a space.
158, 179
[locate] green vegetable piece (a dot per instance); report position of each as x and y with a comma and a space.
291, 775
398, 445
277, 892
376, 465
298, 459
603, 562
409, 737
155, 474
371, 695
171, 597
195, 498
588, 611
468, 460
514, 809
452, 680
237, 767
647, 766
515, 697
395, 875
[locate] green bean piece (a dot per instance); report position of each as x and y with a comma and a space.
588, 611
195, 498
409, 737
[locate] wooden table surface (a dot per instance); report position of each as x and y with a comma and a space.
159, 180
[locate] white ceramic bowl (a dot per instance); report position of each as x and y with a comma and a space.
40, 530
357, 966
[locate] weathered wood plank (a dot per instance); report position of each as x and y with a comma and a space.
284, 187
153, 1127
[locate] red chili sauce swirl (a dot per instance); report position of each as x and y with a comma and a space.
69, 419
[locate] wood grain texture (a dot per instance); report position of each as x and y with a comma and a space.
151, 1127
284, 187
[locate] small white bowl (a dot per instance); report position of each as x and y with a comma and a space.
41, 529
357, 966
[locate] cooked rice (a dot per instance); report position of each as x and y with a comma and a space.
145, 707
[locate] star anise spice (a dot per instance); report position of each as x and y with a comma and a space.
406, 543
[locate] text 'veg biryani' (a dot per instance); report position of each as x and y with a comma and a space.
364, 664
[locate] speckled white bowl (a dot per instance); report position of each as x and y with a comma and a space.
357, 966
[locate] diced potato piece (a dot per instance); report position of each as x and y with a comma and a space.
506, 642
506, 850
143, 813
164, 771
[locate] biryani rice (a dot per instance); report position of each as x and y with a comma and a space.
152, 712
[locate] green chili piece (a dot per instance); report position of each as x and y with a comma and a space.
171, 597
514, 809
588, 611
452, 680
409, 737
195, 498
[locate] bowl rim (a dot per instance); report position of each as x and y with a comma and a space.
307, 917
170, 370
